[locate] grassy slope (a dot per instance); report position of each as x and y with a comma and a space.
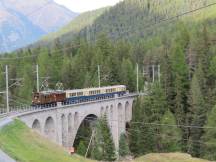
24, 145
168, 157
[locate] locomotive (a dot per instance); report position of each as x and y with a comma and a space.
45, 98
48, 98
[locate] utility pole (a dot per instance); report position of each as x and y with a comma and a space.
153, 73
37, 71
137, 78
99, 81
7, 91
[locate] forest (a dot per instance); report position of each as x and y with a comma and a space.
177, 114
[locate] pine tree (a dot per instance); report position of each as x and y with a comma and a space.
146, 138
123, 146
198, 116
180, 83
170, 134
96, 150
102, 145
209, 140
81, 150
135, 132
127, 74
108, 145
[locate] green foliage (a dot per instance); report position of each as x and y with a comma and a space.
102, 146
81, 150
170, 133
108, 145
198, 115
210, 143
145, 138
123, 146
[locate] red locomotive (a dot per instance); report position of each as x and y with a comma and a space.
48, 97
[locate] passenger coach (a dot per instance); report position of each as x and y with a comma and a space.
74, 96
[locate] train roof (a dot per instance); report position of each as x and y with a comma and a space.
95, 88
51, 92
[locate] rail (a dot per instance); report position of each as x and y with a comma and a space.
22, 109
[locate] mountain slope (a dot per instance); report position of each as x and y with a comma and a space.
132, 19
23, 22
76, 25
16, 31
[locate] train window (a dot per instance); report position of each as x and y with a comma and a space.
72, 94
80, 94
92, 92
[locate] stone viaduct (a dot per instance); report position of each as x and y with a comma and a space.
60, 124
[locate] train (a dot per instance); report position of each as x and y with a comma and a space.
46, 98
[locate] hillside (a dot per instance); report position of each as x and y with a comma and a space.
76, 25
23, 22
135, 19
24, 145
168, 157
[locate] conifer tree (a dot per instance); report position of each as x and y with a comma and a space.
96, 150
210, 144
198, 116
170, 133
180, 84
102, 146
123, 146
81, 150
145, 138
135, 132
109, 153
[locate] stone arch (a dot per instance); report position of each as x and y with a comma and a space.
36, 125
127, 111
88, 119
70, 130
49, 128
64, 130
121, 119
